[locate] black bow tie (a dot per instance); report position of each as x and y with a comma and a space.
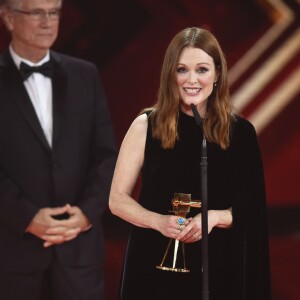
45, 69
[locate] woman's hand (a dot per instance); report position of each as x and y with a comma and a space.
168, 225
216, 218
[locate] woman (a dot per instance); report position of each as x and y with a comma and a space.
164, 144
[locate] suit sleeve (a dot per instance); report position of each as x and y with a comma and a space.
16, 211
250, 217
103, 153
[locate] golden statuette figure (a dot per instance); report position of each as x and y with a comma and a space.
181, 207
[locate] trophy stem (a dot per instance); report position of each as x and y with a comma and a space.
175, 253
184, 266
167, 250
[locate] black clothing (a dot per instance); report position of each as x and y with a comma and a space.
77, 169
238, 257
46, 69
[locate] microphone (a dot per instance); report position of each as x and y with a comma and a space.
196, 114
199, 123
204, 202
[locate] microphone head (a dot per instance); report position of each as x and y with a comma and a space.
196, 114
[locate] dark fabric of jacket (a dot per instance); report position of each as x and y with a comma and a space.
76, 170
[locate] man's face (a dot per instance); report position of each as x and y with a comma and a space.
33, 30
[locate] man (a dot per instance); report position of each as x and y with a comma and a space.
57, 157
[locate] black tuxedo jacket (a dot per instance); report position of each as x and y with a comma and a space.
76, 170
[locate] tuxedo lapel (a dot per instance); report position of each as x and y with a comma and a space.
59, 86
14, 82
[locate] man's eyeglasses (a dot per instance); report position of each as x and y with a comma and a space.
39, 14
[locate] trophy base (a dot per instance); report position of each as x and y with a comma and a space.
173, 269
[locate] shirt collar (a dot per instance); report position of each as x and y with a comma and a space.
18, 59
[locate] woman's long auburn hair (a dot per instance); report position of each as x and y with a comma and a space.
219, 116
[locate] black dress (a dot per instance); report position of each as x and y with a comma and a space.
238, 257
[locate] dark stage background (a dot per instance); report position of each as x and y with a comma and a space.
261, 38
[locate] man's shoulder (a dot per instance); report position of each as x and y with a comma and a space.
71, 61
5, 58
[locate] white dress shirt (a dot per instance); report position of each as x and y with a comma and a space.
39, 89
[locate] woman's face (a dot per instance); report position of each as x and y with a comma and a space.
195, 78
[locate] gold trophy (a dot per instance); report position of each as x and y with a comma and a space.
181, 207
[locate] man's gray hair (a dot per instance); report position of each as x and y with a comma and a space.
16, 3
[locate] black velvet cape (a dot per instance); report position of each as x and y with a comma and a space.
238, 257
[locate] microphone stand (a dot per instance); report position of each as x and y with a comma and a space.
204, 201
